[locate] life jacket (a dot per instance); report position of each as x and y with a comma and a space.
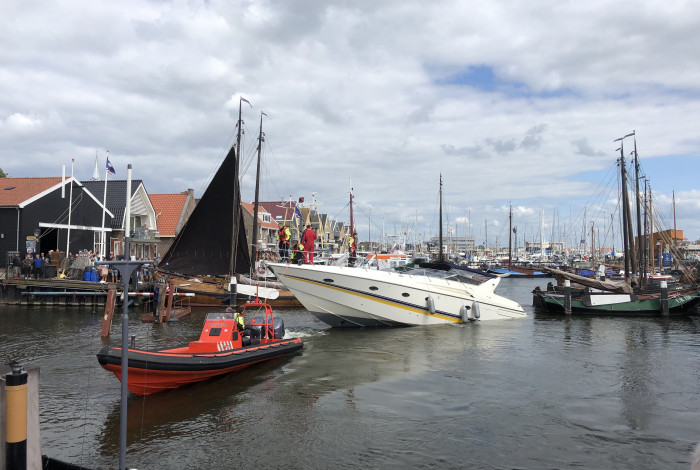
283, 234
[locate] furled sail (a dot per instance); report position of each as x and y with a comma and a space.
204, 245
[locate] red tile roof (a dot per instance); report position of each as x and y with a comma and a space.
250, 208
170, 207
24, 189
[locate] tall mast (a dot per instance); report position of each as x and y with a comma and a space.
486, 235
673, 239
652, 242
261, 138
628, 235
510, 236
593, 242
440, 253
352, 219
625, 239
236, 202
642, 271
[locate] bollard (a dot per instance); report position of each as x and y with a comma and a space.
16, 417
567, 297
664, 298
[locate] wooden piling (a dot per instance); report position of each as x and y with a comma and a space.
165, 315
109, 312
664, 299
567, 297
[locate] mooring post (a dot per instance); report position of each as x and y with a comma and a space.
567, 297
160, 305
16, 417
664, 299
109, 312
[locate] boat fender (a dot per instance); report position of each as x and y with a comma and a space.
475, 307
431, 305
466, 314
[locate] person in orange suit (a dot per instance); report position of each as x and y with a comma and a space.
308, 239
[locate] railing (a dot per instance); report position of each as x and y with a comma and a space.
144, 234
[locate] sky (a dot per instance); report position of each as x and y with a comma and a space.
512, 103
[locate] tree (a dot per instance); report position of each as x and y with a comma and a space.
2, 174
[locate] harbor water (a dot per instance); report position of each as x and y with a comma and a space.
542, 392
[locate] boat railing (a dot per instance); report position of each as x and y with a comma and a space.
268, 325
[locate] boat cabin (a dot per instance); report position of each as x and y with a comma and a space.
219, 334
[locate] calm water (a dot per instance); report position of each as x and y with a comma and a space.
543, 392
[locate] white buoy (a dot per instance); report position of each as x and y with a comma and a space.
475, 307
464, 312
431, 305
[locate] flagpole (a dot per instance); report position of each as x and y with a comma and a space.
104, 204
70, 206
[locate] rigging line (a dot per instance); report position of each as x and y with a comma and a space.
282, 175
612, 171
228, 144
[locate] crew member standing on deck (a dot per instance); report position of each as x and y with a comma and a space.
309, 242
284, 235
352, 249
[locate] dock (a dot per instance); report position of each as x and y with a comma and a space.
55, 291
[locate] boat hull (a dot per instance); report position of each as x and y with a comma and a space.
355, 297
212, 292
156, 371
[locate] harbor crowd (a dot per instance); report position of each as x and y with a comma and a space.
54, 265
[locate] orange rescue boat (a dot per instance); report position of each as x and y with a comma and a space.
221, 349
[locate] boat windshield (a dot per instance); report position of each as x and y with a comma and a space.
219, 316
451, 275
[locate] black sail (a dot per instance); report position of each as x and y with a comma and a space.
203, 246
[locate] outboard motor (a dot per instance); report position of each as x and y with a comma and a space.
279, 328
258, 330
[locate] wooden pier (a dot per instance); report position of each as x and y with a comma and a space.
56, 291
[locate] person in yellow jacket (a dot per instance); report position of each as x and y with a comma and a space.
284, 235
240, 321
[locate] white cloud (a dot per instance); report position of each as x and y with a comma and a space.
374, 91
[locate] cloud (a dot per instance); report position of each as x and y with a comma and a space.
583, 147
388, 94
533, 137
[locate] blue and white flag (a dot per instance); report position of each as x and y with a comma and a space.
110, 168
243, 99
297, 212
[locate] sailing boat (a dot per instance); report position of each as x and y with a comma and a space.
344, 296
516, 270
214, 242
619, 298
209, 256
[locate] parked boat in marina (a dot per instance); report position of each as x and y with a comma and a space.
613, 298
210, 256
636, 294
